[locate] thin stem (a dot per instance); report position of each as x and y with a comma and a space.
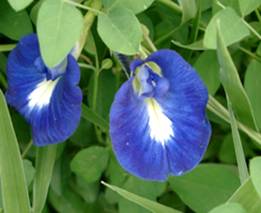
83, 6
95, 83
172, 5
7, 47
88, 21
143, 52
149, 42
251, 29
27, 148
165, 36
88, 66
250, 53
258, 15
240, 156
219, 110
86, 59
221, 5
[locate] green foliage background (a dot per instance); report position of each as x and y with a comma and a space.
220, 38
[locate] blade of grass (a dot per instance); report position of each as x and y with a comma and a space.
7, 47
240, 156
144, 202
45, 159
14, 190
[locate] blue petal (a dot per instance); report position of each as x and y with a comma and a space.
181, 136
51, 106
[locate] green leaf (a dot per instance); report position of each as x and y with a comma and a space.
45, 160
146, 189
241, 161
226, 153
19, 4
7, 47
88, 191
120, 30
14, 24
29, 171
189, 9
13, 183
231, 82
247, 6
90, 163
136, 6
247, 196
232, 28
229, 208
208, 69
206, 186
255, 173
94, 118
144, 202
59, 27
252, 85
197, 45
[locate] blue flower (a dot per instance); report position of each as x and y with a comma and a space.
49, 99
158, 123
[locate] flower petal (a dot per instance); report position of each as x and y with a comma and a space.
164, 135
52, 107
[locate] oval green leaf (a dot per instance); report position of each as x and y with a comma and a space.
252, 85
207, 186
120, 30
10, 20
247, 6
59, 27
84, 166
232, 28
136, 6
19, 4
255, 173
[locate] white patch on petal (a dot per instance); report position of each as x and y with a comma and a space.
42, 94
159, 124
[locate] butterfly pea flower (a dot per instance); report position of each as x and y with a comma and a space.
48, 98
158, 123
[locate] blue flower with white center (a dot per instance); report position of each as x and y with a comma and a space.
158, 123
49, 99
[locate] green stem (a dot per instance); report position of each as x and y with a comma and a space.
240, 156
251, 29
95, 89
95, 82
88, 66
88, 21
27, 148
252, 55
172, 5
219, 110
258, 15
83, 6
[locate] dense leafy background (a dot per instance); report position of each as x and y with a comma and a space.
221, 39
